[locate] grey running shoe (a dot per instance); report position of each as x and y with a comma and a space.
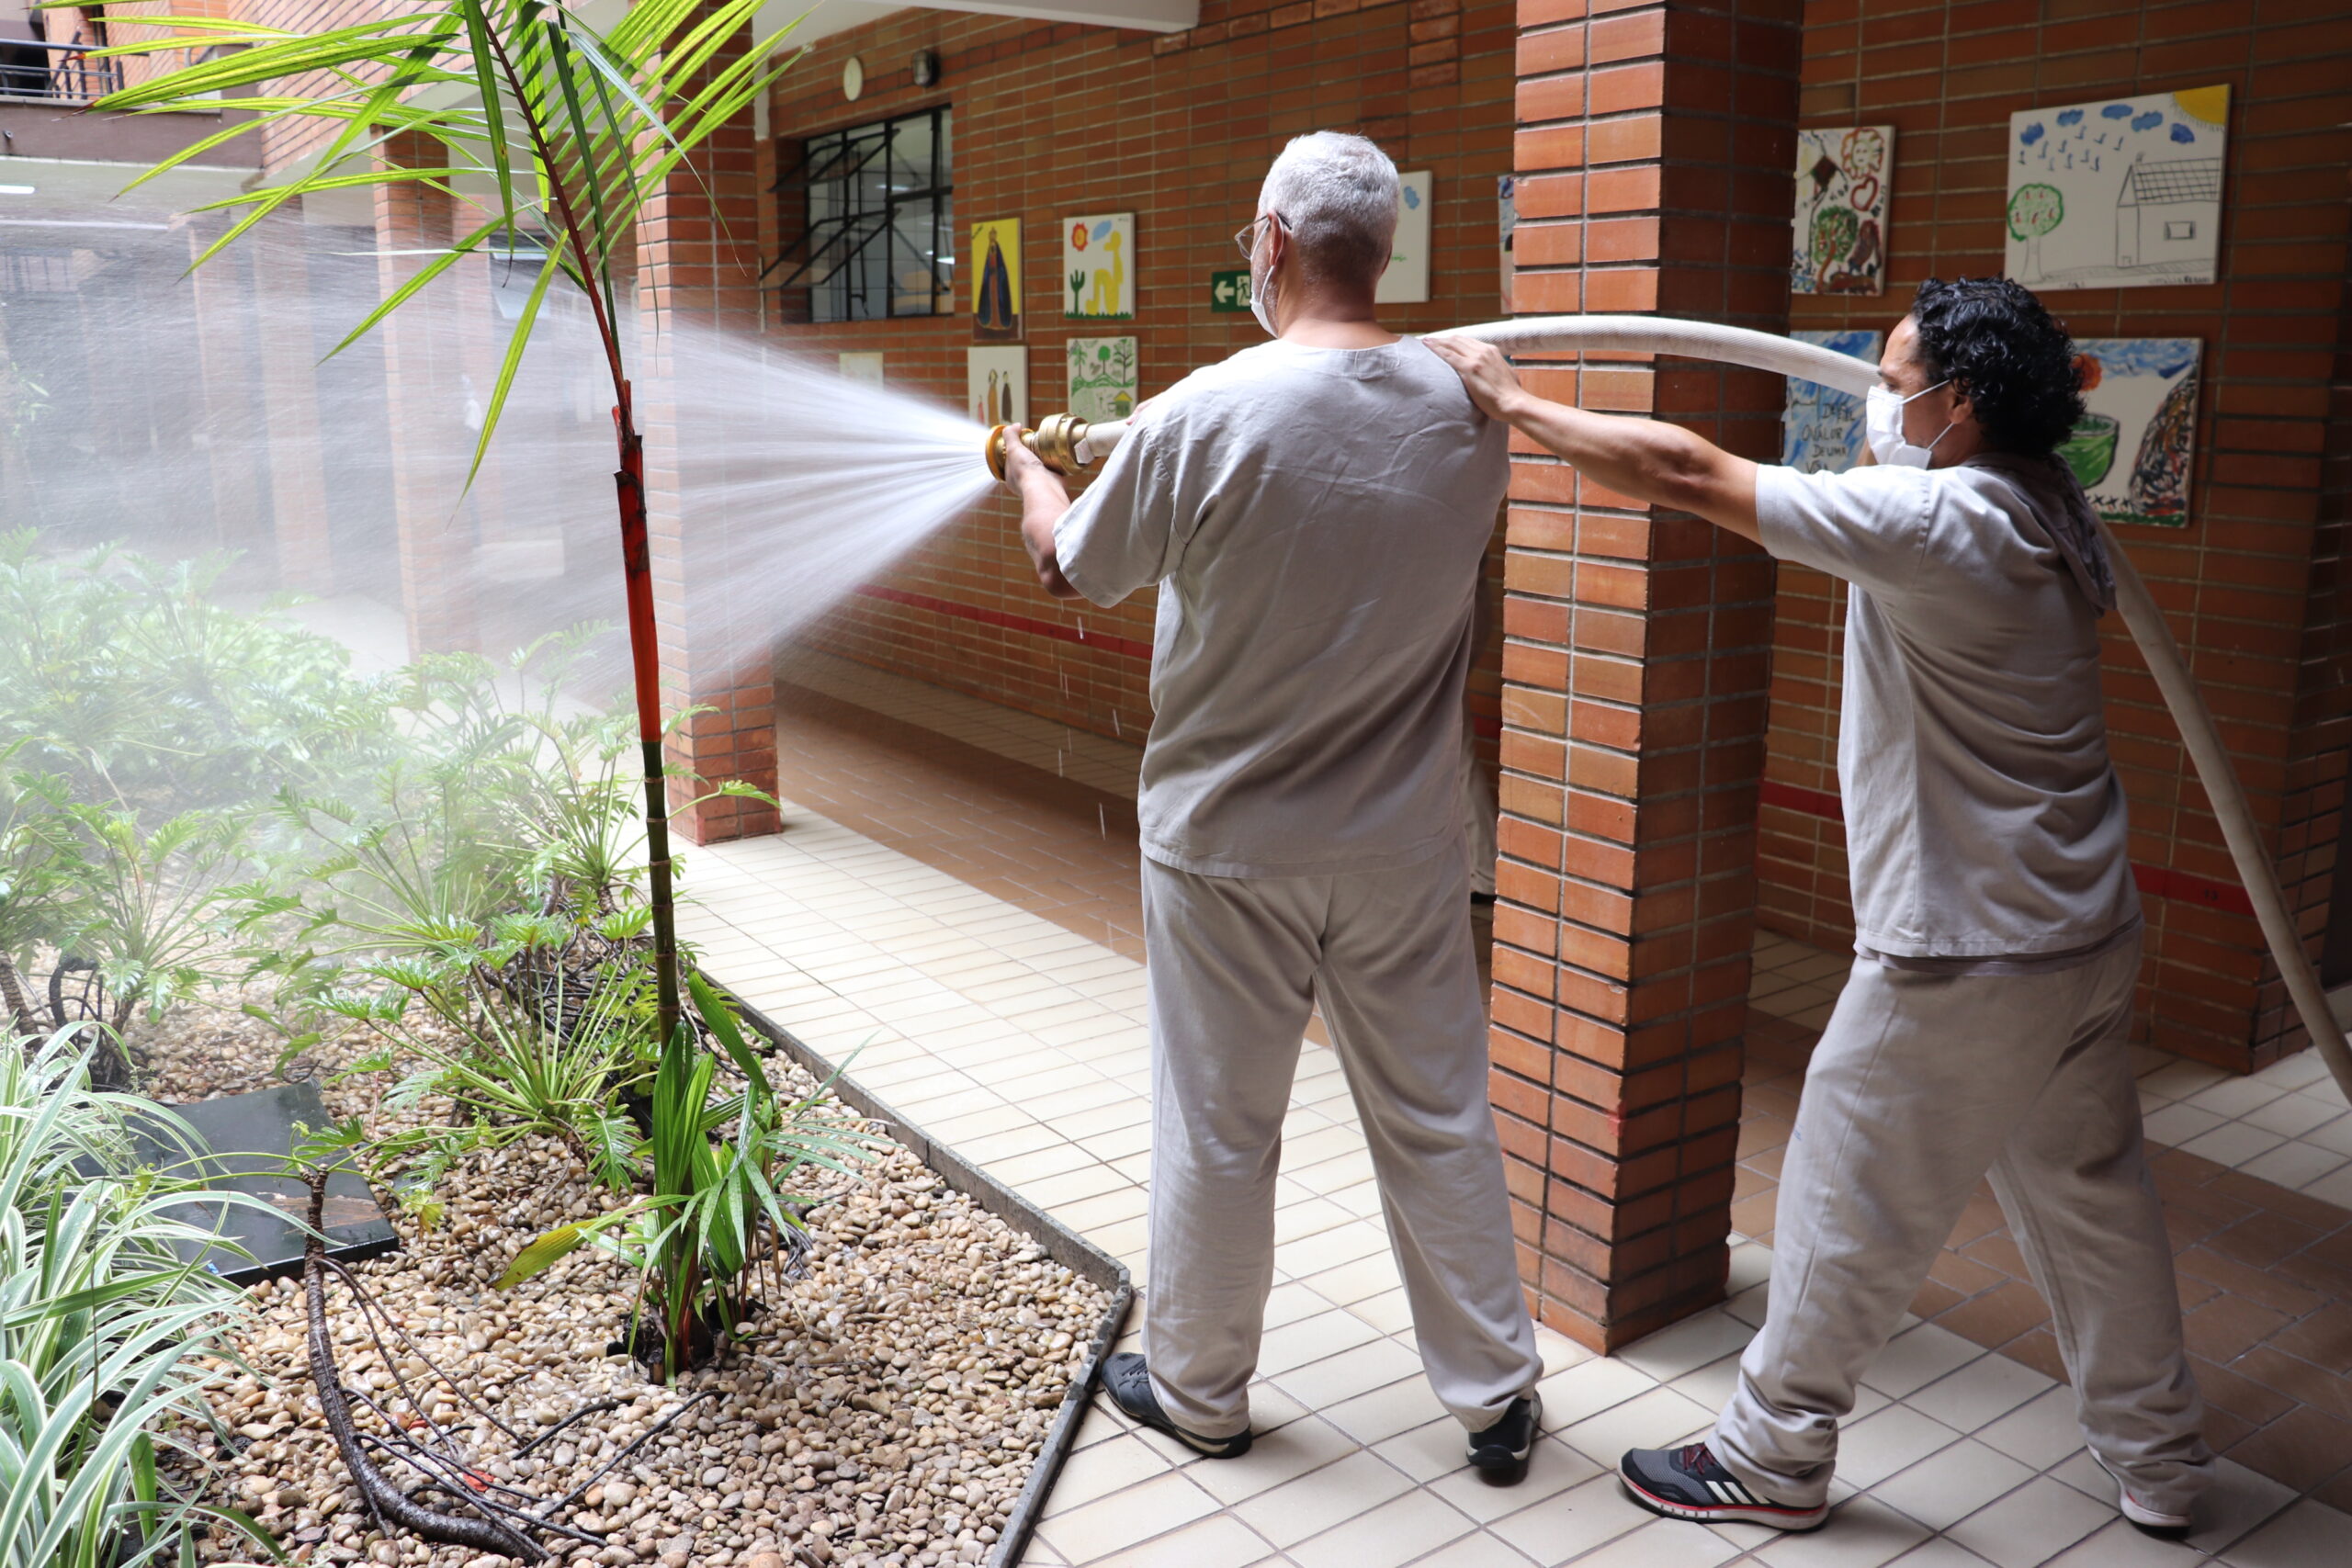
1690, 1483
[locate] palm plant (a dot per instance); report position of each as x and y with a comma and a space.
577, 132
40, 884
106, 1330
149, 898
722, 1169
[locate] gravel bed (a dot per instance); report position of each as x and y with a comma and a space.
882, 1410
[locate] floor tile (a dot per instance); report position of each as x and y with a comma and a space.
1322, 1384
1276, 1455
1396, 1532
1553, 1468
1103, 1468
1983, 1391
1317, 1501
1311, 1340
2040, 1432
1479, 1550
1652, 1420
1892, 1441
1860, 1534
1913, 1359
1573, 1522
1132, 1515
1589, 1388
2031, 1525
2238, 1502
1377, 1416
1219, 1542
2309, 1534
1662, 1543
1688, 1345
1952, 1483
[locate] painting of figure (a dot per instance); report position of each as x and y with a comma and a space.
1838, 241
2133, 448
997, 385
995, 267
1821, 427
2118, 193
1102, 379
1098, 268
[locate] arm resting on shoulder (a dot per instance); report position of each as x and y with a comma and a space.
1653, 462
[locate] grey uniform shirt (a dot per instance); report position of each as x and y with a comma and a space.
1316, 519
1984, 820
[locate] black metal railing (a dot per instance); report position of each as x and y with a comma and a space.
56, 73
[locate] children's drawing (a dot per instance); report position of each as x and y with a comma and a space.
1098, 268
2116, 194
2131, 450
1839, 240
1102, 383
1821, 427
995, 267
865, 367
1507, 221
997, 385
1407, 281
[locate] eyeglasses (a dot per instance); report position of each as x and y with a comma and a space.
1247, 238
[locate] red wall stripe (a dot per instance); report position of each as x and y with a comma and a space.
2160, 882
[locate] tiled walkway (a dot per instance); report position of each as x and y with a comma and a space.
986, 1013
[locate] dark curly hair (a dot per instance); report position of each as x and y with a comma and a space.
2009, 355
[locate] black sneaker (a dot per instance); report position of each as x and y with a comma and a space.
1690, 1483
1500, 1453
1130, 1389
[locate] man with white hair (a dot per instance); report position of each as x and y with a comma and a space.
1315, 511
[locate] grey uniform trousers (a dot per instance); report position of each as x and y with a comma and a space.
1920, 1084
1235, 965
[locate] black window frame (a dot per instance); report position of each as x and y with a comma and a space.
843, 219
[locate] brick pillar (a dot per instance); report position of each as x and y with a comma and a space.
1653, 156
424, 397
289, 395
228, 418
698, 272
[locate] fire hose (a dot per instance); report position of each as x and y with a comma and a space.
1068, 444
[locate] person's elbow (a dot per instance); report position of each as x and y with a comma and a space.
1711, 483
1050, 579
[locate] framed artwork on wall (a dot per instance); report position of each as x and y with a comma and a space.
995, 264
997, 385
1407, 281
2120, 193
1821, 427
2132, 450
1838, 245
865, 367
1098, 267
1103, 377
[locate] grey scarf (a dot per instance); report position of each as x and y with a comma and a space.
2051, 493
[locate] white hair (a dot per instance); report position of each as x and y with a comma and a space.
1338, 197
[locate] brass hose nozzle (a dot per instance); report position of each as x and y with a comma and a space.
1058, 440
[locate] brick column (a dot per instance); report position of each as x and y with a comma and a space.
699, 266
227, 417
1653, 157
424, 397
289, 393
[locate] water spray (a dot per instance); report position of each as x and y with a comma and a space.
1067, 445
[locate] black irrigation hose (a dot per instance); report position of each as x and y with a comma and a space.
386, 1501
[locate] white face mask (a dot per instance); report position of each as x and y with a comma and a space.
1883, 422
1262, 299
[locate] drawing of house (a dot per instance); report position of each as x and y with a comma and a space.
2166, 214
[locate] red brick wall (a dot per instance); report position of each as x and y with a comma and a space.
1053, 121
2263, 633
281, 142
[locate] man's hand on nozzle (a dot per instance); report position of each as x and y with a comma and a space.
1492, 384
1023, 467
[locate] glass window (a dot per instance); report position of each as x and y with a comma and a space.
880, 230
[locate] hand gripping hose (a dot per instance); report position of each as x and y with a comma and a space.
1809, 362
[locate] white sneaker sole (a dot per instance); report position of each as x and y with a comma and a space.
1768, 1514
2138, 1512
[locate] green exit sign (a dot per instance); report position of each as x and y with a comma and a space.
1229, 290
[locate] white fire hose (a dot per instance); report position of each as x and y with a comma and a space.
1762, 351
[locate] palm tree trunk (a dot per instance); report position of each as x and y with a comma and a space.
645, 658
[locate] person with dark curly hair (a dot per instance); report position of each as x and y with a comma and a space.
1997, 925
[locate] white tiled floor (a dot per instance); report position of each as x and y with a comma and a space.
1022, 1047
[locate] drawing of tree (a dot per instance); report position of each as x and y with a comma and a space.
2035, 210
1834, 232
